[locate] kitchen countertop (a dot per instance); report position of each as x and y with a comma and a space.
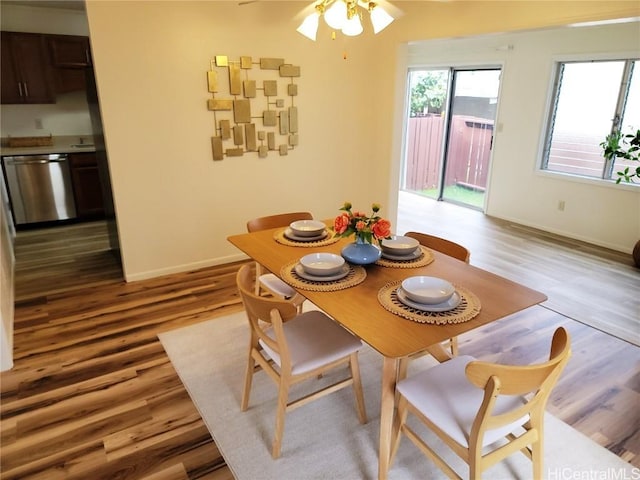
61, 144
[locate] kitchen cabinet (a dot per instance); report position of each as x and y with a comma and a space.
69, 51
70, 58
25, 69
86, 185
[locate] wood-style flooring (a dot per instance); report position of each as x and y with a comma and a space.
93, 395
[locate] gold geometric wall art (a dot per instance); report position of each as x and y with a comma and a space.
253, 105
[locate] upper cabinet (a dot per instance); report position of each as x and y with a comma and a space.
36, 67
69, 51
25, 69
70, 58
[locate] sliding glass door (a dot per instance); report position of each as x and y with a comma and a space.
450, 133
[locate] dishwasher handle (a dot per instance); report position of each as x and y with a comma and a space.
35, 160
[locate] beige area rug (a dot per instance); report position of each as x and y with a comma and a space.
324, 440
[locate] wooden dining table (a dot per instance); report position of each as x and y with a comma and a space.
358, 309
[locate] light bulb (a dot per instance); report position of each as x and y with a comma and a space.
352, 27
309, 27
336, 15
380, 19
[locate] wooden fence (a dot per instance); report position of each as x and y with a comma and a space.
468, 156
470, 147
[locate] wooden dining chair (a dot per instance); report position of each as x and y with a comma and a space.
447, 247
266, 280
292, 347
470, 405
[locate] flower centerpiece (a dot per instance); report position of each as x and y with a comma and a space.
366, 228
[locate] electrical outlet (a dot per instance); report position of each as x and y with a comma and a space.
39, 124
561, 205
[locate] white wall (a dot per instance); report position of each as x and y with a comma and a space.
7, 289
175, 206
518, 191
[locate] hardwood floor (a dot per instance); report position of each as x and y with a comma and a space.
590, 284
93, 395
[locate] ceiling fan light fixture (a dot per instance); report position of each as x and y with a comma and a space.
336, 15
309, 26
380, 19
346, 15
352, 26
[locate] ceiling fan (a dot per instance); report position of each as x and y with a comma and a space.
346, 15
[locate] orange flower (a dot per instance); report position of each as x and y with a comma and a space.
341, 223
381, 229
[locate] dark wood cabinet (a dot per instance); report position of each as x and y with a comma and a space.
69, 79
86, 185
70, 57
69, 51
25, 69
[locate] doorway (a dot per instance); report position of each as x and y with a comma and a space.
449, 136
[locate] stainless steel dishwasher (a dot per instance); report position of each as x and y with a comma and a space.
39, 188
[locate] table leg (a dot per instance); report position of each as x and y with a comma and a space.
387, 406
439, 353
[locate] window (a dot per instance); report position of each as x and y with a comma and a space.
591, 100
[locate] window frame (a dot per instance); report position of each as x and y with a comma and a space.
552, 102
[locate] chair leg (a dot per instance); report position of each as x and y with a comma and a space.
357, 387
281, 409
537, 456
248, 377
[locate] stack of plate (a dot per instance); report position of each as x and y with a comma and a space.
322, 267
401, 248
429, 294
306, 231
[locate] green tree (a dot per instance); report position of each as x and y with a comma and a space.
428, 93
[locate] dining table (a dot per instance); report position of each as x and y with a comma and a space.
366, 304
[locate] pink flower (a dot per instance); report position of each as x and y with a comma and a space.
341, 223
381, 229
361, 225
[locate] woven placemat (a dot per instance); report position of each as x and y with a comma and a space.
469, 307
425, 259
356, 275
328, 240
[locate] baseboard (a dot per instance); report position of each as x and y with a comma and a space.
183, 268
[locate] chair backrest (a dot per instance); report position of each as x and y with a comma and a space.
537, 380
263, 312
274, 221
443, 245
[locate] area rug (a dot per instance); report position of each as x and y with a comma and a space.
323, 439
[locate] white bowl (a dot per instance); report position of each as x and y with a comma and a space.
429, 290
399, 245
322, 264
307, 228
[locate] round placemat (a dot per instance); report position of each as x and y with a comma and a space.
356, 275
425, 259
469, 307
328, 240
